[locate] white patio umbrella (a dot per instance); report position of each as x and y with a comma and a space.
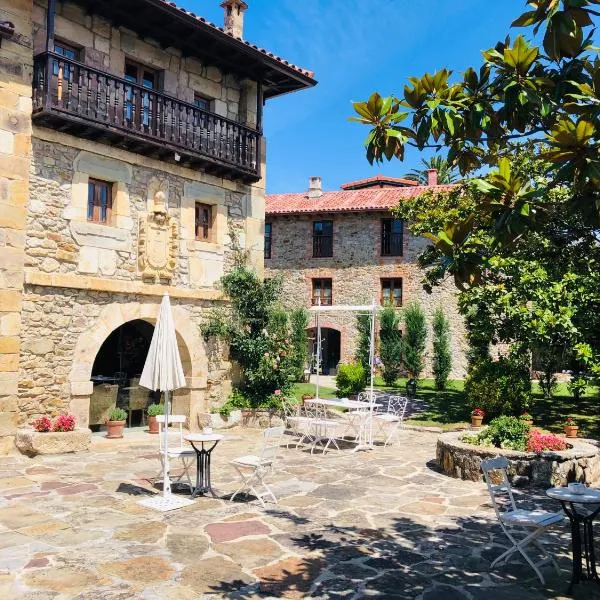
163, 372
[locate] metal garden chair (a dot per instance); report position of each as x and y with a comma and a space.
180, 450
253, 469
390, 422
521, 527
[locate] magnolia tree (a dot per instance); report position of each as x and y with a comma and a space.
520, 237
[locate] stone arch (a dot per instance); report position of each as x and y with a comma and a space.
191, 346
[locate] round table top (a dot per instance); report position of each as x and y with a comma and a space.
591, 495
203, 437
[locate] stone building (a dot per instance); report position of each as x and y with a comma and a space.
345, 247
130, 146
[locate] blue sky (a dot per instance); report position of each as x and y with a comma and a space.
355, 47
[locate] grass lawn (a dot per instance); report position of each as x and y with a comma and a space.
449, 409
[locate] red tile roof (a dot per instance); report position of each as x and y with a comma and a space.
379, 180
305, 72
346, 200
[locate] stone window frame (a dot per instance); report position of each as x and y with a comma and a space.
201, 193
88, 165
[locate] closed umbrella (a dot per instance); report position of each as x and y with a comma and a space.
163, 372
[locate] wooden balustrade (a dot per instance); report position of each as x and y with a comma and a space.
88, 102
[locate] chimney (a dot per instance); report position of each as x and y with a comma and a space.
315, 187
432, 177
234, 17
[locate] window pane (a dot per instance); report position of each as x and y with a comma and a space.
103, 191
90, 211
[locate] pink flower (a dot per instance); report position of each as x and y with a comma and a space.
541, 442
277, 392
42, 425
64, 423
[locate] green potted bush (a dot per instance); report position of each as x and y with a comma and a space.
116, 423
153, 411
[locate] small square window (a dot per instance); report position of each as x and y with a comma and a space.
321, 292
204, 222
202, 102
391, 291
99, 201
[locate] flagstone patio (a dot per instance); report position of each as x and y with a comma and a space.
380, 524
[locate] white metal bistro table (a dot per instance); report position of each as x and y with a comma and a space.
581, 509
364, 441
197, 440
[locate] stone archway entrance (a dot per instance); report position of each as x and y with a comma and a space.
139, 318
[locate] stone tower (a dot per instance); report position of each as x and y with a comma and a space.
234, 16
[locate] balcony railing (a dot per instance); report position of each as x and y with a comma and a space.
391, 244
90, 103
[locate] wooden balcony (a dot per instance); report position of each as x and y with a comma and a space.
83, 101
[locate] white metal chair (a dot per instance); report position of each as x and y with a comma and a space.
297, 421
522, 527
180, 450
355, 418
390, 422
253, 469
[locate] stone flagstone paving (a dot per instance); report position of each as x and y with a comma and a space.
380, 524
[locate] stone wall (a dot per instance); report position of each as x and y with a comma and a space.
61, 240
105, 47
64, 328
580, 463
16, 70
356, 269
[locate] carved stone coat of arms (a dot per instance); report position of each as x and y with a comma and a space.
158, 243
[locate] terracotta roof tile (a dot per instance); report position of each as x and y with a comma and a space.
381, 180
346, 200
305, 72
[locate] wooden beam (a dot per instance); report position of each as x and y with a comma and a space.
50, 14
260, 103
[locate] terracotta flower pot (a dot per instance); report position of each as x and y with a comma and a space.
571, 431
476, 420
115, 429
152, 425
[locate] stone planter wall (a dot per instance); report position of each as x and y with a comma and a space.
216, 421
260, 419
32, 442
579, 463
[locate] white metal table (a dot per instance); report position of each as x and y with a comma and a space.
203, 484
581, 509
364, 441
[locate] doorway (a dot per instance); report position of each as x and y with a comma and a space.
330, 350
116, 374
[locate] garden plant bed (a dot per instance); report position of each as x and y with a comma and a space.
32, 442
581, 462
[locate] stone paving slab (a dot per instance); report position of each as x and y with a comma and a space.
379, 524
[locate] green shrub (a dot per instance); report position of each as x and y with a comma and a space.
390, 345
442, 356
117, 414
500, 387
350, 379
363, 341
413, 342
155, 409
509, 433
299, 320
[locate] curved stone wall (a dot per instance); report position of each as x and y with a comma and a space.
579, 463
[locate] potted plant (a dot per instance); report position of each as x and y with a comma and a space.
116, 423
153, 411
571, 428
526, 418
306, 397
477, 415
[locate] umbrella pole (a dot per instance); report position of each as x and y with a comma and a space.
166, 479
318, 349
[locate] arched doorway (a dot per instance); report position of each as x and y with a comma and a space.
330, 349
116, 374
190, 401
